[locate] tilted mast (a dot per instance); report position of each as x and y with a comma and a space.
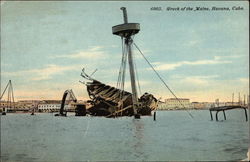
125, 31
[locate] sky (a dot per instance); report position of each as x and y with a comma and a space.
201, 55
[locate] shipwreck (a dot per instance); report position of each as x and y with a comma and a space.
109, 101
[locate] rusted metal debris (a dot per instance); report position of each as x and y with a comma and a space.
111, 102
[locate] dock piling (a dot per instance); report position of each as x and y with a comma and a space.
224, 115
216, 115
224, 108
246, 114
211, 115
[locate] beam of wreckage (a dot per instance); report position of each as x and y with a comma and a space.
111, 102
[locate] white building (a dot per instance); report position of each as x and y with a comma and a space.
179, 103
173, 103
49, 107
202, 105
162, 106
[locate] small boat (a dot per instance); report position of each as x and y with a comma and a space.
33, 111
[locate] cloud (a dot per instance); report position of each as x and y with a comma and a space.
49, 71
94, 52
228, 57
199, 80
42, 94
46, 91
211, 81
155, 63
206, 87
43, 73
244, 80
172, 66
196, 76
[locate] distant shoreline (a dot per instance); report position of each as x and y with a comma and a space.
182, 109
28, 112
37, 112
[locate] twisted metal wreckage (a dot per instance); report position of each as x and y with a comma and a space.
111, 102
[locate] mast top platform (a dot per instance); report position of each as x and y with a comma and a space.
126, 29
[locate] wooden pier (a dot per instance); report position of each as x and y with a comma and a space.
224, 108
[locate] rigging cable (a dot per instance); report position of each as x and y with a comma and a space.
119, 75
9, 97
13, 96
4, 90
122, 70
162, 80
137, 76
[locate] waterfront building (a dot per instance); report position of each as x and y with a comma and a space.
11, 106
51, 101
49, 107
37, 105
27, 104
202, 105
162, 106
173, 103
179, 103
54, 107
22, 104
5, 105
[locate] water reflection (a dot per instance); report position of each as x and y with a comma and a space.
47, 138
139, 143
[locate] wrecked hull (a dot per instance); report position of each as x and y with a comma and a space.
112, 102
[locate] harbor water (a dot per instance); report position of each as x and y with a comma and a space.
174, 136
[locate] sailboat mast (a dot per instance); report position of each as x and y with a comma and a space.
128, 43
132, 75
126, 30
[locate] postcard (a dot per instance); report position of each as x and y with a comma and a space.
124, 80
